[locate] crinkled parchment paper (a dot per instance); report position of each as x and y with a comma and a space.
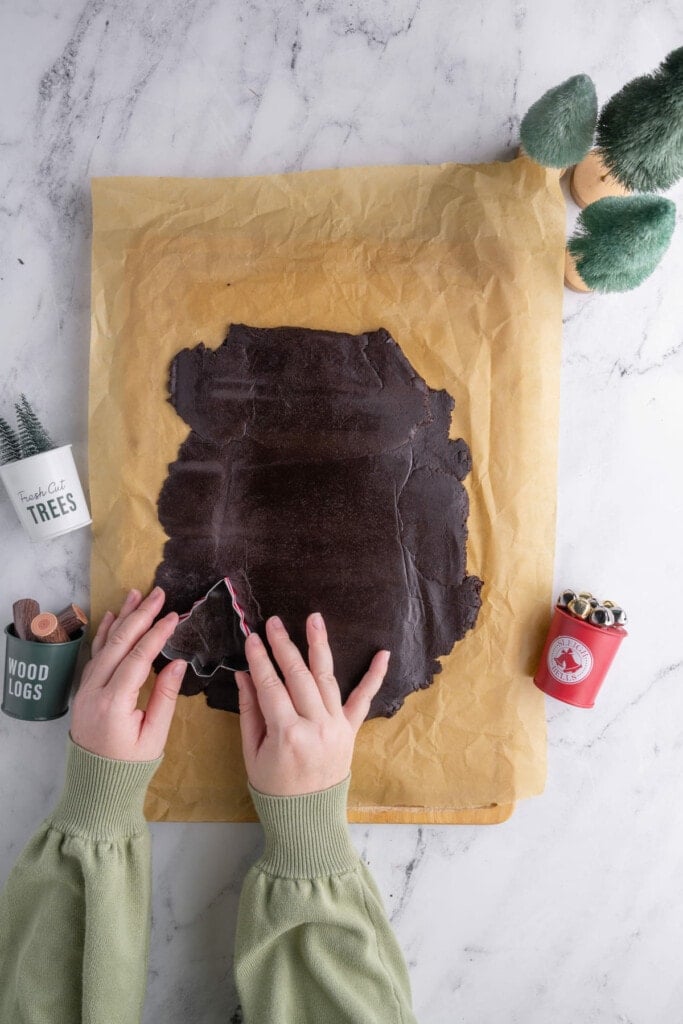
463, 264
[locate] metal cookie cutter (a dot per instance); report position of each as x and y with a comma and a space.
212, 634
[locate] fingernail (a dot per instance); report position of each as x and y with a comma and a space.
276, 623
157, 592
254, 640
317, 620
171, 615
178, 668
387, 655
129, 597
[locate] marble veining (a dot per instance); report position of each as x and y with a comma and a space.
571, 911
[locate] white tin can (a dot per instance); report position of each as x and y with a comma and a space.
46, 493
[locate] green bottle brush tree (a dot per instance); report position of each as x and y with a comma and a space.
639, 138
619, 242
640, 130
558, 129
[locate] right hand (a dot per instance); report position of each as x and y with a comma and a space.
297, 737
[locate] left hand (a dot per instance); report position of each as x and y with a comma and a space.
106, 719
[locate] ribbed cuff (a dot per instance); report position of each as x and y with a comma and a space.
102, 798
306, 836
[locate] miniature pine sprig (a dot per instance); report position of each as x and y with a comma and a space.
33, 436
10, 446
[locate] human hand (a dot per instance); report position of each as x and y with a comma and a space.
105, 719
296, 736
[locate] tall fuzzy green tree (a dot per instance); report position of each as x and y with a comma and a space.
10, 446
640, 129
557, 130
621, 239
33, 436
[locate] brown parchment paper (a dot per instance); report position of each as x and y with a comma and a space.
463, 264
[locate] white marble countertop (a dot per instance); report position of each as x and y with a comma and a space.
571, 911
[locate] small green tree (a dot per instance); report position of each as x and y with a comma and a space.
30, 439
10, 446
558, 129
33, 436
640, 129
621, 239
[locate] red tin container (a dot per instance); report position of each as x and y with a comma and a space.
576, 658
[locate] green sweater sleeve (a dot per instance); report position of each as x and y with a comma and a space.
74, 914
313, 941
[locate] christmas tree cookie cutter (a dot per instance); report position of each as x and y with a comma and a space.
211, 635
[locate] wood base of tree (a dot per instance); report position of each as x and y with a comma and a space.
572, 278
590, 180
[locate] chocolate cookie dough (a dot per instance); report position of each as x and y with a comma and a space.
318, 476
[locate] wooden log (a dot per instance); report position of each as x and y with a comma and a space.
23, 611
46, 629
72, 619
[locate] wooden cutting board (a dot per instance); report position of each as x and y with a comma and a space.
493, 815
